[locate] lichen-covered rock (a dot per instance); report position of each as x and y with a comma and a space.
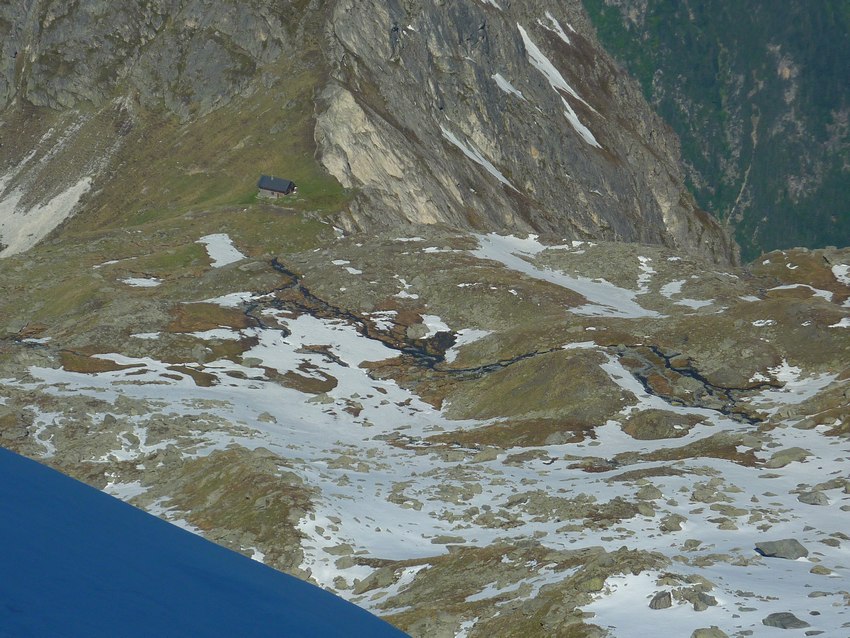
658, 424
786, 456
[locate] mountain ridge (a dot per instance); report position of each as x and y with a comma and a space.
444, 140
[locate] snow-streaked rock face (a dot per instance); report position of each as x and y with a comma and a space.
414, 117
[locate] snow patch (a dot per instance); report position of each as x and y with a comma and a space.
555, 27
106, 263
796, 388
580, 128
465, 627
349, 269
435, 325
383, 319
462, 338
217, 334
403, 293
20, 230
817, 292
476, 157
646, 272
221, 250
491, 591
142, 282
146, 335
231, 300
605, 298
125, 491
540, 62
507, 87
674, 288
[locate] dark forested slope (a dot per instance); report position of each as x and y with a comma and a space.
757, 91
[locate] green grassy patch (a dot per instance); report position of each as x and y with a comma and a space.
169, 168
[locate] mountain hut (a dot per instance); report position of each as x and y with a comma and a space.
275, 187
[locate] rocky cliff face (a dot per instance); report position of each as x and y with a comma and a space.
468, 114
500, 118
186, 55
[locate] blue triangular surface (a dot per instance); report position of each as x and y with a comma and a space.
77, 562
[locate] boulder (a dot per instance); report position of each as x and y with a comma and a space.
788, 548
813, 498
672, 523
383, 577
786, 456
661, 600
649, 493
703, 601
784, 620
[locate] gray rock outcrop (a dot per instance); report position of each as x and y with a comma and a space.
813, 498
788, 548
661, 600
185, 55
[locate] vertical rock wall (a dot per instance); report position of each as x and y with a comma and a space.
506, 117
